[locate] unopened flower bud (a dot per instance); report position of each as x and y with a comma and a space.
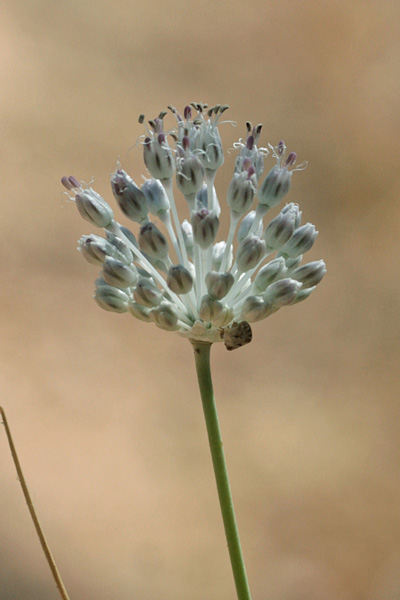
210, 308
302, 295
249, 253
153, 242
111, 298
147, 293
94, 248
282, 292
279, 231
275, 186
219, 284
272, 271
187, 233
129, 196
158, 156
156, 197
245, 226
241, 192
165, 316
205, 227
295, 211
94, 208
225, 317
190, 175
139, 311
118, 274
301, 241
121, 249
310, 274
255, 308
218, 252
209, 143
179, 279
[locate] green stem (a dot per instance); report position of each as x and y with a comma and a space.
202, 358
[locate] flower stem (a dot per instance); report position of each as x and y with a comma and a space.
49, 557
202, 358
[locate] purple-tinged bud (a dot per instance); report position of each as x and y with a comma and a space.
255, 309
241, 192
279, 231
156, 197
275, 186
210, 308
129, 196
237, 335
158, 157
275, 269
118, 274
111, 298
205, 227
282, 292
121, 249
219, 284
179, 279
310, 274
95, 249
153, 242
139, 312
165, 316
245, 226
94, 208
249, 253
147, 293
190, 175
302, 240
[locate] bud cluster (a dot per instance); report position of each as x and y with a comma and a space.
172, 271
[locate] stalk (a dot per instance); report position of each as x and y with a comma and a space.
202, 359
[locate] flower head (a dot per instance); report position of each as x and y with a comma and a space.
174, 273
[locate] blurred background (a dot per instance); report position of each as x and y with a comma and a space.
104, 409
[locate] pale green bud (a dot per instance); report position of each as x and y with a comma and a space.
210, 308
147, 293
310, 274
249, 253
179, 279
93, 208
282, 292
153, 242
110, 298
269, 273
219, 284
119, 274
165, 316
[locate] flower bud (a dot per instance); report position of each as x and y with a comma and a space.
165, 316
272, 271
121, 248
210, 308
94, 208
303, 295
310, 274
147, 293
282, 292
111, 298
156, 197
152, 241
249, 253
190, 175
301, 241
187, 233
209, 143
139, 312
241, 192
157, 154
245, 226
225, 317
218, 252
118, 274
94, 248
179, 279
130, 198
255, 308
295, 211
279, 231
219, 284
205, 227
275, 186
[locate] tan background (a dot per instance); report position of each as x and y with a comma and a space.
104, 409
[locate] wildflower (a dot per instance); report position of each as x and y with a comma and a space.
174, 273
